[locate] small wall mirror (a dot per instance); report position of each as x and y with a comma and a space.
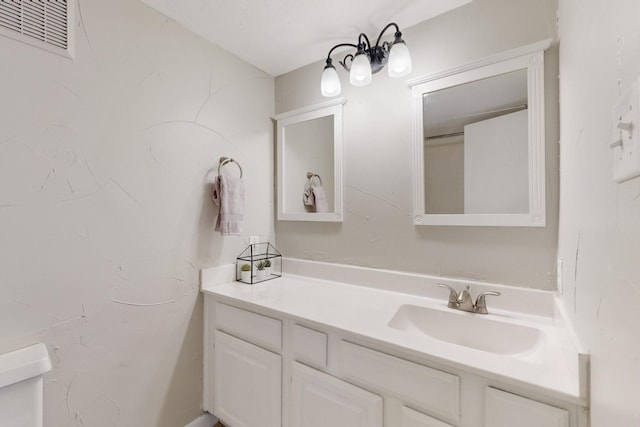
479, 142
309, 157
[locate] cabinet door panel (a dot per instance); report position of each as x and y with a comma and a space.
320, 400
309, 346
423, 387
507, 410
411, 418
247, 383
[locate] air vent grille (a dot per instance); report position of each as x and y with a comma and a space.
42, 20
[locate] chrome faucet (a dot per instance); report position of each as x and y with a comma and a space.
464, 302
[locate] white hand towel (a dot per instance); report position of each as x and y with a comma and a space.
228, 194
322, 206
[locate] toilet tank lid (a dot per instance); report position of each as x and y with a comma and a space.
23, 364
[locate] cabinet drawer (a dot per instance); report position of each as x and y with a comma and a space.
435, 391
310, 346
320, 400
256, 328
411, 418
504, 409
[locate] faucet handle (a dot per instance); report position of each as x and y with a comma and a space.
453, 295
480, 306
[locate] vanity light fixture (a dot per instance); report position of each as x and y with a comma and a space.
367, 60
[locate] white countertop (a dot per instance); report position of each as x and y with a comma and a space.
366, 312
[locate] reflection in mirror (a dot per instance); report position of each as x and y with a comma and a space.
309, 144
464, 127
479, 142
309, 149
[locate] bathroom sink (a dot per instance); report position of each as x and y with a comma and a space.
468, 329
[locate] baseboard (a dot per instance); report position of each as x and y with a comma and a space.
204, 420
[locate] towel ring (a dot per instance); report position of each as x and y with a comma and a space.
225, 160
310, 176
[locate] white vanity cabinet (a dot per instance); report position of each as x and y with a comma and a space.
247, 383
507, 410
415, 384
321, 400
412, 418
270, 369
245, 366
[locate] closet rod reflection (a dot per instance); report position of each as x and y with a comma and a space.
514, 109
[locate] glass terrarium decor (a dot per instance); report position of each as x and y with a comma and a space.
257, 263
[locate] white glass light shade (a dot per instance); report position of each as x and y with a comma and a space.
330, 82
399, 60
360, 74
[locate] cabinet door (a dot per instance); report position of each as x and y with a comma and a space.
507, 410
320, 400
247, 383
411, 418
420, 386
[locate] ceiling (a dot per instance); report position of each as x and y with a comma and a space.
449, 110
278, 36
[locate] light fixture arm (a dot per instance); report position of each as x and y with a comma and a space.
364, 45
340, 45
329, 62
392, 24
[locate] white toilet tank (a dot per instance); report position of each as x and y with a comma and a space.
21, 386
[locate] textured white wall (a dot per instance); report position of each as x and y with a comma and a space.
105, 214
599, 237
378, 230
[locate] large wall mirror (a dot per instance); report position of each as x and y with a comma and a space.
309, 157
479, 142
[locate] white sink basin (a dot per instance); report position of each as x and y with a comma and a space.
468, 329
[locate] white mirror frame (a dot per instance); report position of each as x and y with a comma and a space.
329, 108
531, 58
